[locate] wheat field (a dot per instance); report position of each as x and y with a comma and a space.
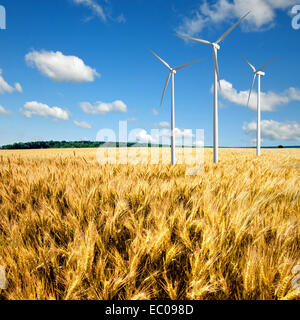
71, 228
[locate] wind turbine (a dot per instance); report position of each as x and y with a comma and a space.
216, 47
259, 74
172, 72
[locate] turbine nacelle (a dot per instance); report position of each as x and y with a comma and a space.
257, 72
215, 45
260, 73
172, 71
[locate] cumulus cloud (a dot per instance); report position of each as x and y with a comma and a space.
61, 68
269, 100
179, 133
18, 87
43, 110
274, 130
253, 141
6, 88
294, 94
263, 14
199, 143
103, 108
157, 136
4, 111
192, 25
143, 137
82, 124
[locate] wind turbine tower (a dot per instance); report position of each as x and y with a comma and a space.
259, 73
215, 46
172, 72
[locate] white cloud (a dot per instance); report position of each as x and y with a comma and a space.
179, 133
121, 18
143, 137
269, 100
253, 141
155, 112
274, 130
6, 88
61, 68
263, 14
37, 138
163, 124
131, 119
43, 110
99, 10
94, 6
199, 143
18, 87
157, 136
294, 93
192, 25
82, 124
103, 108
4, 111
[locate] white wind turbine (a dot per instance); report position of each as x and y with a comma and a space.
259, 74
172, 72
216, 47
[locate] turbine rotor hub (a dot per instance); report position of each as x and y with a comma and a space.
215, 45
261, 73
173, 71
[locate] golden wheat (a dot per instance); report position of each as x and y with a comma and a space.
71, 228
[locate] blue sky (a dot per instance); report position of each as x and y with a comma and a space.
73, 67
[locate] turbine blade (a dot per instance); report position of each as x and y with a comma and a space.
188, 64
194, 39
160, 59
254, 77
251, 65
216, 66
260, 69
232, 28
166, 85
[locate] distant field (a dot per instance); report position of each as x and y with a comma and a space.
71, 228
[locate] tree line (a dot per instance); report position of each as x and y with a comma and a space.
71, 144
